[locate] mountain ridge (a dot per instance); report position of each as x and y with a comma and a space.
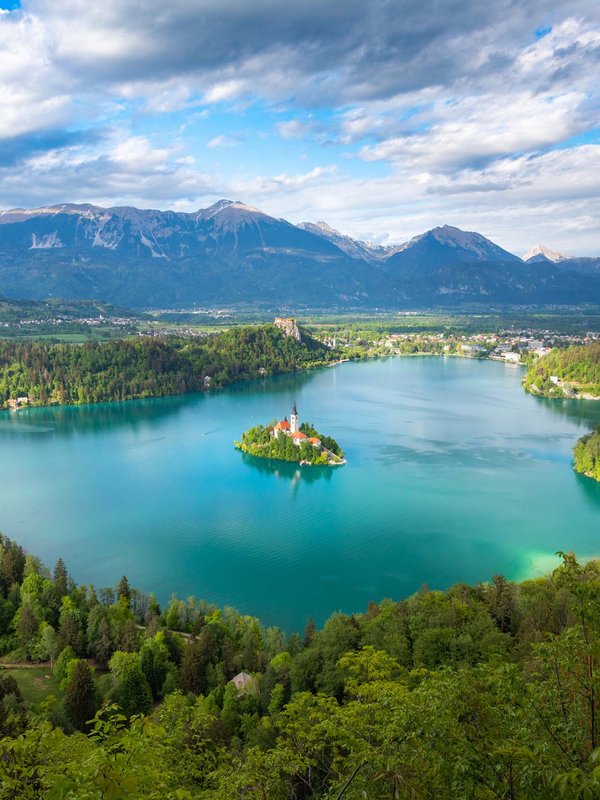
231, 252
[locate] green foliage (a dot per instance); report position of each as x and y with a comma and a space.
130, 689
149, 366
154, 662
259, 441
587, 454
578, 368
489, 691
12, 707
81, 699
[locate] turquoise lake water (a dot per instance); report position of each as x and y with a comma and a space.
453, 474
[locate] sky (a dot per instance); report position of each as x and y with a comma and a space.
383, 118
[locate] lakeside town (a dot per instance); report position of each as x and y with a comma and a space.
514, 347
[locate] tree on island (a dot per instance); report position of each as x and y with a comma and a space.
259, 441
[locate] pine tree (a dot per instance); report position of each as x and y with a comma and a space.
27, 626
192, 676
129, 637
61, 577
309, 632
12, 564
69, 634
124, 590
81, 699
104, 644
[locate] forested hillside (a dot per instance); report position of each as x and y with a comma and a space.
587, 455
577, 370
487, 691
149, 366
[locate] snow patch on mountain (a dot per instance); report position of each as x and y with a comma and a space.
150, 245
46, 242
109, 240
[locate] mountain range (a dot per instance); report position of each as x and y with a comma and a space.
232, 253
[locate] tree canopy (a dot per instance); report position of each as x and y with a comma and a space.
149, 366
486, 691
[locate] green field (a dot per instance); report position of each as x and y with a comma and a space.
35, 682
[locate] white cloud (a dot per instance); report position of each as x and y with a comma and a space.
485, 127
461, 108
225, 141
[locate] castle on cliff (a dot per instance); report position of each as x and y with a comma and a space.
289, 326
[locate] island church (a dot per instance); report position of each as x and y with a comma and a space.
292, 429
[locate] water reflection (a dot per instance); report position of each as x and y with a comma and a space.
585, 412
66, 420
63, 421
590, 489
288, 470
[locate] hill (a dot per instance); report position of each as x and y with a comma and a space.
149, 366
231, 253
569, 372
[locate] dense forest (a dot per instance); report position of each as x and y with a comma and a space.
149, 366
576, 368
587, 455
259, 441
486, 691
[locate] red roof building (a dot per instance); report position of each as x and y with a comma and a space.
283, 425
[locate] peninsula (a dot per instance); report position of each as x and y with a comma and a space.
288, 440
571, 372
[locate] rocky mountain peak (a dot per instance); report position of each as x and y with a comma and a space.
542, 253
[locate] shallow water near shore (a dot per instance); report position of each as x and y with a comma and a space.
453, 474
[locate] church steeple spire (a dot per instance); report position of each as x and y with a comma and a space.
294, 427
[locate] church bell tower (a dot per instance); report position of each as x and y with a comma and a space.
294, 427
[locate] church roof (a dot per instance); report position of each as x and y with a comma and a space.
299, 435
284, 425
294, 408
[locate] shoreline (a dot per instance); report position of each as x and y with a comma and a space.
301, 463
325, 365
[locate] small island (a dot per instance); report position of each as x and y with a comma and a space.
291, 441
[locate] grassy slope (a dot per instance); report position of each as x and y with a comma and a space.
35, 682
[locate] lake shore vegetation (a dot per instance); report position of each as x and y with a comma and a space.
143, 367
260, 442
587, 455
568, 372
478, 691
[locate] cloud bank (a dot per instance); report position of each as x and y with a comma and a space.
382, 118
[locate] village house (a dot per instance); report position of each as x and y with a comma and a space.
18, 402
244, 683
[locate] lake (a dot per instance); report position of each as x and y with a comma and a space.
454, 474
